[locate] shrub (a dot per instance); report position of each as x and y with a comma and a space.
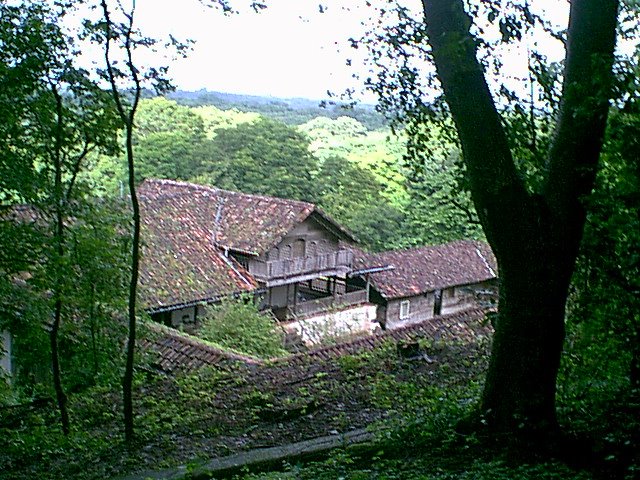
237, 324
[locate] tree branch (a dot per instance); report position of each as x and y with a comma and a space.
499, 194
574, 153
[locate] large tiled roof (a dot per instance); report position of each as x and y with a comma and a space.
180, 263
187, 227
238, 221
419, 270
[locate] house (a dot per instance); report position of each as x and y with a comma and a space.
201, 244
426, 282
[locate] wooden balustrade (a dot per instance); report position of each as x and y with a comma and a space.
329, 303
287, 268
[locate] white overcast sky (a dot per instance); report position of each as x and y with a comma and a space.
290, 49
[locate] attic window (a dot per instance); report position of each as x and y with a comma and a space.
450, 292
404, 309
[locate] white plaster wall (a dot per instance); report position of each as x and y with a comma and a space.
352, 320
5, 353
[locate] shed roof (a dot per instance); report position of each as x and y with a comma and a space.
420, 270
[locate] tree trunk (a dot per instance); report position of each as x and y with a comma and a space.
61, 398
127, 381
59, 255
634, 370
535, 236
127, 116
519, 394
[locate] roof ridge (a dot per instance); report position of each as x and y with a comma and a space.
198, 186
462, 241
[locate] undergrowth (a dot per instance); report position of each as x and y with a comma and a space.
188, 418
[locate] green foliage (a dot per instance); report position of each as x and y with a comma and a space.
49, 105
292, 111
378, 151
605, 301
51, 129
216, 119
170, 140
237, 324
439, 208
263, 157
352, 196
95, 267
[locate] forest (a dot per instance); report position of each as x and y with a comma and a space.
553, 185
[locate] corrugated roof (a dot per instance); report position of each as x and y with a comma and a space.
419, 270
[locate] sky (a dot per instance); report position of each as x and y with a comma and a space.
290, 49
293, 48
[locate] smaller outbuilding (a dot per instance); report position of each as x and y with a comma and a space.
410, 286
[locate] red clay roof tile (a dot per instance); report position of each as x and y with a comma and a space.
425, 269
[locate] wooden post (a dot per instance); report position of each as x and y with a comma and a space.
295, 296
368, 286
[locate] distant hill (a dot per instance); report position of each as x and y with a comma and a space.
292, 111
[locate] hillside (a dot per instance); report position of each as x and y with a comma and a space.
292, 111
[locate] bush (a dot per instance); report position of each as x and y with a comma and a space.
237, 324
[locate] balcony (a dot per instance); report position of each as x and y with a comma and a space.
321, 305
280, 272
328, 304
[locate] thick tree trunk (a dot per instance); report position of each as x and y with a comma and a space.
535, 236
519, 394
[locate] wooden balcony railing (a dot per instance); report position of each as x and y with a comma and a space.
282, 269
329, 303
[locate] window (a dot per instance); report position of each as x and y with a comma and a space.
298, 248
404, 309
450, 292
312, 249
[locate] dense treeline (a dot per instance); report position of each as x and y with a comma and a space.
292, 111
